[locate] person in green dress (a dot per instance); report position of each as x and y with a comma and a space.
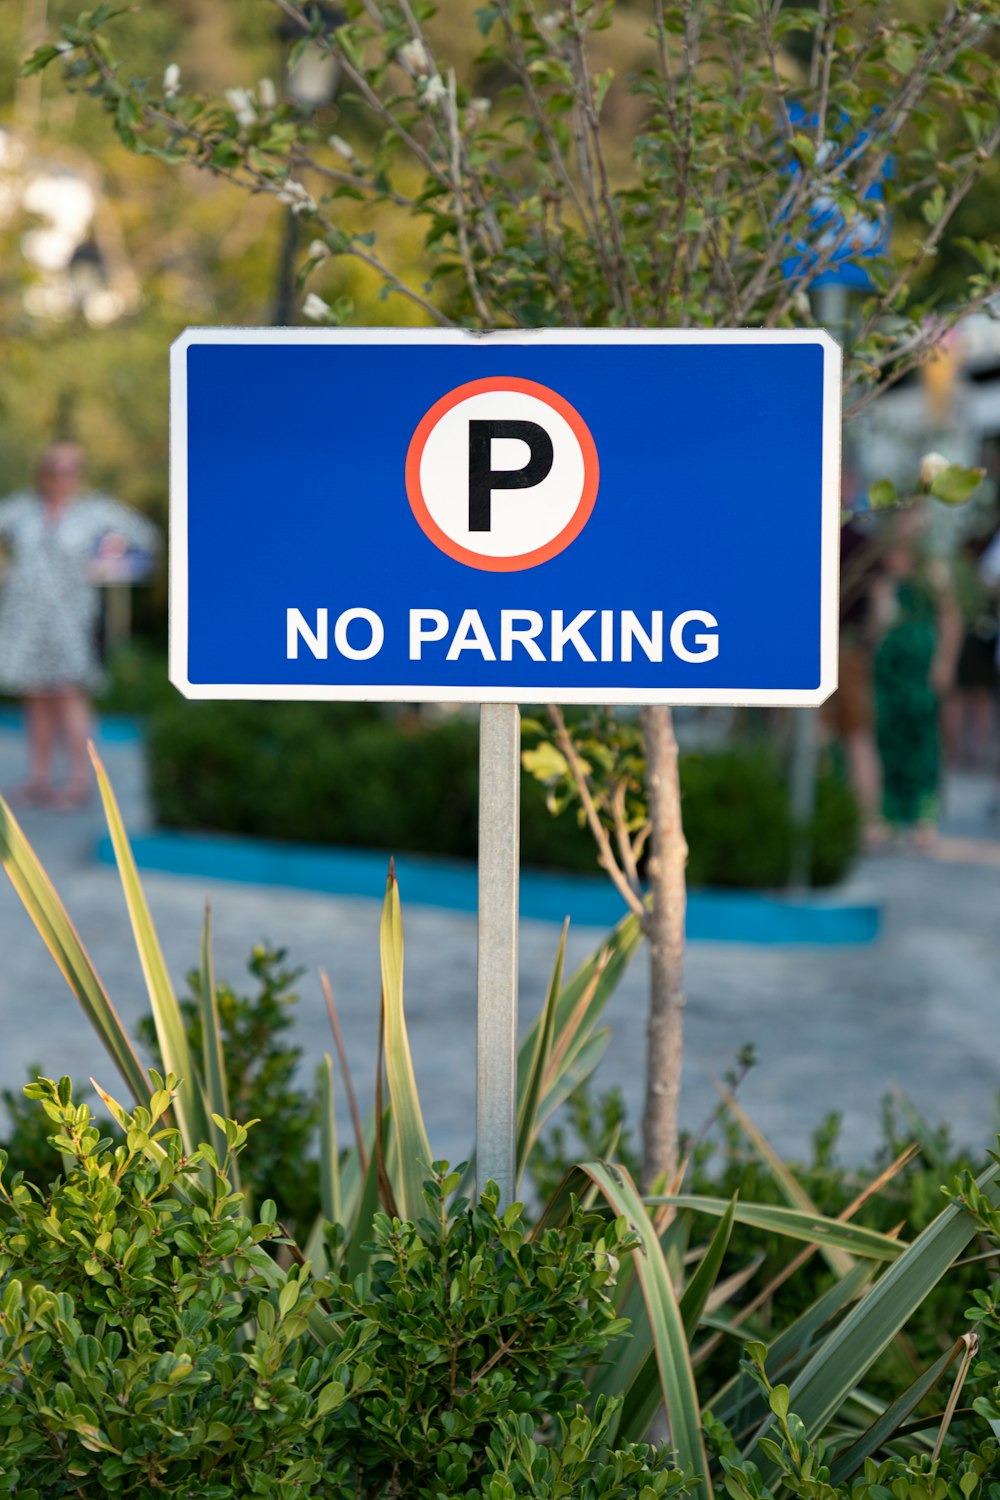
914, 670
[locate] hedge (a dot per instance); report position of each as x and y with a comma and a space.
346, 774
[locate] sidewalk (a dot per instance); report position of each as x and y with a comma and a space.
834, 1028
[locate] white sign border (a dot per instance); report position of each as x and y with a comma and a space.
517, 338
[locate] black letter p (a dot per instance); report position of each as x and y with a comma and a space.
483, 478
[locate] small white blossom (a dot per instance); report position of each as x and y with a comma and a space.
171, 81
801, 303
314, 307
267, 94
551, 23
319, 250
415, 58
434, 90
931, 465
297, 196
65, 47
241, 101
340, 145
480, 107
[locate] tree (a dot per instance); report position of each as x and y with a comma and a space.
750, 147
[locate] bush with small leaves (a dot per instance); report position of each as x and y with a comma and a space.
150, 1346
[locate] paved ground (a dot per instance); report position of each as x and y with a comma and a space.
835, 1028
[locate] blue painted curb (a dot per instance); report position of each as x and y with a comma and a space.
712, 916
112, 729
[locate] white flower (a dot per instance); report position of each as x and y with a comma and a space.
340, 145
415, 58
434, 90
65, 47
314, 307
552, 22
319, 250
931, 465
267, 94
480, 107
171, 81
297, 196
241, 101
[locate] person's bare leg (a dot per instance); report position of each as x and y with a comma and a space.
77, 727
866, 778
953, 719
39, 713
984, 718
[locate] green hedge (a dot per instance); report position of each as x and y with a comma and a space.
345, 774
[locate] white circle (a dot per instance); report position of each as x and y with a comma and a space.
521, 520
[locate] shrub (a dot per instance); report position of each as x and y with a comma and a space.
342, 774
149, 1345
738, 823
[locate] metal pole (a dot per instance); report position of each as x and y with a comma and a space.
496, 1023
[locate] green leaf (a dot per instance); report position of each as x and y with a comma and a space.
882, 494
213, 1058
60, 937
530, 1096
805, 148
192, 1115
413, 1152
881, 1430
330, 1397
955, 485
835, 1236
697, 1291
545, 763
329, 1157
39, 59
666, 1324
582, 1004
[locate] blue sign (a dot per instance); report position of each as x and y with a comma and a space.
579, 516
841, 250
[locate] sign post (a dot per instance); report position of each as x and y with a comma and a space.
496, 1016
568, 516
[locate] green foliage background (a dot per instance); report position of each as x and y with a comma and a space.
344, 774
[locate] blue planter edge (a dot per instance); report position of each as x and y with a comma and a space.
718, 916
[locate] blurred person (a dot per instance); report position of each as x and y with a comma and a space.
989, 572
920, 628
850, 714
49, 612
971, 709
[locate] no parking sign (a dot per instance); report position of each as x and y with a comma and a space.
574, 516
569, 515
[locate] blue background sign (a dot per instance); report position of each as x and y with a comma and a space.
304, 565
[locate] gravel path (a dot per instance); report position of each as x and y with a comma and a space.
834, 1028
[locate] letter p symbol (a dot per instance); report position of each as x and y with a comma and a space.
484, 479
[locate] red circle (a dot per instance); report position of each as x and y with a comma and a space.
573, 527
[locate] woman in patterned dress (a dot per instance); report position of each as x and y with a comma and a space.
49, 613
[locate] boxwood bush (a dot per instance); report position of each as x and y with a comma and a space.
150, 1346
347, 774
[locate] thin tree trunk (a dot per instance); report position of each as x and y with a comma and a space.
667, 867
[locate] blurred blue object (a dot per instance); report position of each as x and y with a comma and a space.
589, 900
869, 236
